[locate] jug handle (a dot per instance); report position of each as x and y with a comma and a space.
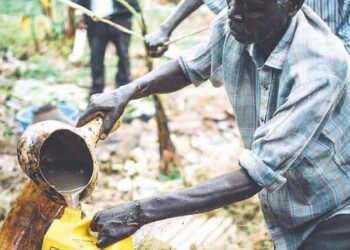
93, 127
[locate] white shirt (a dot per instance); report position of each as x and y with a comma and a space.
102, 8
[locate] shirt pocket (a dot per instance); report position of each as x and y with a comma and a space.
340, 146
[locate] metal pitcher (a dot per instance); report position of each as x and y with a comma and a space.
47, 149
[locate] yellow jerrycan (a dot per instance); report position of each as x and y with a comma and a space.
70, 232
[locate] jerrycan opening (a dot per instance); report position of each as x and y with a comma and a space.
66, 164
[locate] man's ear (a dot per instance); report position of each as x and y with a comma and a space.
294, 6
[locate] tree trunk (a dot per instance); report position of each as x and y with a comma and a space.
28, 220
47, 9
69, 27
167, 150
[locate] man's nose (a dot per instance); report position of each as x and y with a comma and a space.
235, 12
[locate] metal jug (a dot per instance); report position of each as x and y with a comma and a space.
57, 147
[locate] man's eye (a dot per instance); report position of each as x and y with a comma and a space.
253, 13
253, 10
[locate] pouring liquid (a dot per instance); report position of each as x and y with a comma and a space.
66, 164
72, 197
68, 180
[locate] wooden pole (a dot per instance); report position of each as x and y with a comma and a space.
28, 220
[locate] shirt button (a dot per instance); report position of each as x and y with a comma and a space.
265, 206
262, 120
266, 86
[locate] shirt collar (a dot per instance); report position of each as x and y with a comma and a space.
279, 53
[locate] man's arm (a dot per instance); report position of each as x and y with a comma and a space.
119, 222
206, 196
155, 40
167, 78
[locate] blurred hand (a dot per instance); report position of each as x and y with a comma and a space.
116, 223
109, 105
155, 42
81, 22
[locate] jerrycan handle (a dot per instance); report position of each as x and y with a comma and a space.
83, 226
91, 130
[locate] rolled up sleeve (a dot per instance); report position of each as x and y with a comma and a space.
196, 63
204, 61
279, 143
262, 174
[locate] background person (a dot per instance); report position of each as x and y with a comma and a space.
99, 34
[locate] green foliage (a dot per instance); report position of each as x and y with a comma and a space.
40, 67
26, 30
39, 71
5, 90
7, 132
174, 174
13, 37
20, 7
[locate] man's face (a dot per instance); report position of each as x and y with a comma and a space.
254, 21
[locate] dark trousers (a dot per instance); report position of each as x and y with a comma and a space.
99, 34
333, 234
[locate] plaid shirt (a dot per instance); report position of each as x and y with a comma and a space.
293, 114
336, 13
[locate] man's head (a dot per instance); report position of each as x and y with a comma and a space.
259, 21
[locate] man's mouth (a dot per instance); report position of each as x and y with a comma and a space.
239, 32
240, 36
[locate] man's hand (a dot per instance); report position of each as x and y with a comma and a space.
155, 42
116, 223
109, 105
81, 22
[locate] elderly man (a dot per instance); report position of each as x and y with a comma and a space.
287, 77
336, 13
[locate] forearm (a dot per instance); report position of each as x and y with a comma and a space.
183, 10
167, 78
211, 194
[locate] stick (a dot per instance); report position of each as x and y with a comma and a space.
119, 27
100, 19
185, 36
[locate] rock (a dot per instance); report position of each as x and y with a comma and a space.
125, 185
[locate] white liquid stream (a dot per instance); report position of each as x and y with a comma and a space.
72, 197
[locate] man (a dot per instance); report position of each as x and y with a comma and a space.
336, 13
99, 34
287, 77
